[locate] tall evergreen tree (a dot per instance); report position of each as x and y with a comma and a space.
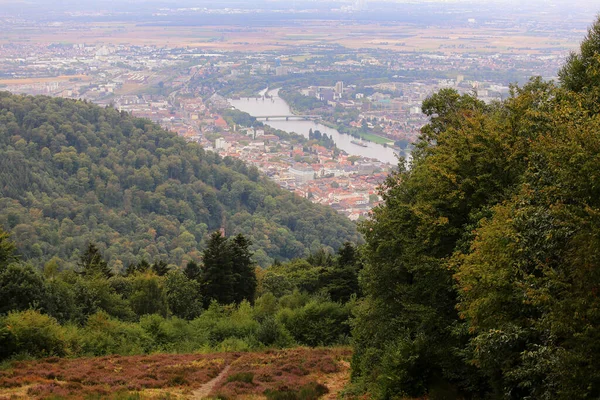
228, 274
193, 271
91, 263
244, 278
217, 272
341, 279
160, 267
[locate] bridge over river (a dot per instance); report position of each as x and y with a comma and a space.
287, 117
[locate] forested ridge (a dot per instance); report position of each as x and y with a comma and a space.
73, 173
482, 267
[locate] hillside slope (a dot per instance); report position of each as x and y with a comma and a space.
72, 172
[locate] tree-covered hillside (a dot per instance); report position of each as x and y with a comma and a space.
482, 275
72, 173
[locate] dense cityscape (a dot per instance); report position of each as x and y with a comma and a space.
373, 94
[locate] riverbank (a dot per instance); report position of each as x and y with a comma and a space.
371, 137
275, 105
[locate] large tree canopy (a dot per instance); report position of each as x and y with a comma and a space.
72, 173
482, 265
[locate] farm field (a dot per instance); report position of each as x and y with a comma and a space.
304, 372
353, 35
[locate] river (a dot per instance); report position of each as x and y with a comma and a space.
259, 107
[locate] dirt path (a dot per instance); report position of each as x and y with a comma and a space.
338, 381
205, 390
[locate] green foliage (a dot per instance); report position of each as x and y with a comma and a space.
60, 302
233, 116
317, 323
184, 295
95, 295
228, 274
581, 73
336, 277
104, 335
30, 332
149, 295
300, 102
496, 219
72, 173
192, 271
20, 288
246, 377
7, 249
91, 263
221, 322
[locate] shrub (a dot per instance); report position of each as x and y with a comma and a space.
60, 300
183, 295
265, 306
318, 323
271, 332
148, 295
33, 333
221, 323
104, 335
96, 294
247, 377
310, 391
21, 287
234, 344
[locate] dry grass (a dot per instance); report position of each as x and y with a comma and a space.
104, 376
178, 376
286, 370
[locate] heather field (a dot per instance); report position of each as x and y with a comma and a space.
300, 373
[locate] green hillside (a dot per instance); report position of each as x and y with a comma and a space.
72, 173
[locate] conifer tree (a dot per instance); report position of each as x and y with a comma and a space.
91, 263
192, 271
244, 278
228, 273
217, 271
160, 267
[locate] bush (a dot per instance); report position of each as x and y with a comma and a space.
247, 377
149, 295
234, 344
221, 323
295, 300
318, 323
32, 333
272, 333
156, 328
20, 288
104, 335
60, 300
97, 294
310, 391
183, 295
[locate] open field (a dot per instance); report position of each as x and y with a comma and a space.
401, 37
375, 138
262, 375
